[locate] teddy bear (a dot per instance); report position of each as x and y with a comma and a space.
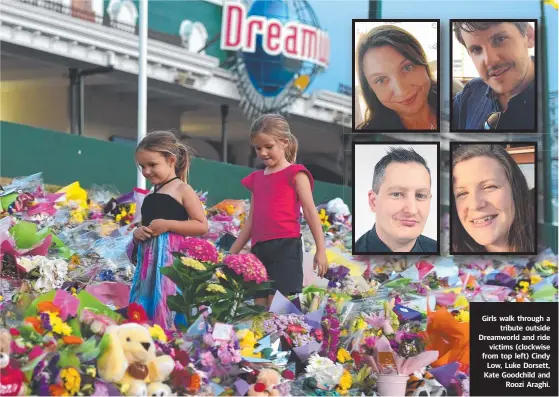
129, 359
11, 379
265, 384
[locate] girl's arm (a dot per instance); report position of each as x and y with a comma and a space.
304, 192
197, 225
246, 232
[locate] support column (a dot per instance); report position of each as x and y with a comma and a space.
224, 113
74, 101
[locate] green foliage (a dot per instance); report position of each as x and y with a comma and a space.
229, 306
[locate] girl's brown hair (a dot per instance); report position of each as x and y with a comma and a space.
166, 143
521, 236
276, 126
378, 116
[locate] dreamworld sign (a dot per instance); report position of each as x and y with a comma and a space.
292, 39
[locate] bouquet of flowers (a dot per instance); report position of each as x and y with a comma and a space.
292, 327
207, 280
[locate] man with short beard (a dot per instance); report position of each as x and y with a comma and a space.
503, 98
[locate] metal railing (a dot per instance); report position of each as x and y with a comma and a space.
79, 10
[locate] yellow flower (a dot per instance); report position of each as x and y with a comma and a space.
77, 216
192, 263
157, 332
220, 257
534, 279
118, 217
359, 324
1, 298
346, 381
59, 326
72, 379
258, 334
343, 356
91, 371
246, 338
220, 274
546, 263
124, 388
524, 285
344, 332
463, 316
132, 208
216, 288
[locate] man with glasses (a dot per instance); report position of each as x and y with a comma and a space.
503, 98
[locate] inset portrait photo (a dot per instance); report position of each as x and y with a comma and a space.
494, 76
396, 198
493, 198
396, 70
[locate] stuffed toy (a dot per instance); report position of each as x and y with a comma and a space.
424, 385
265, 384
129, 359
11, 379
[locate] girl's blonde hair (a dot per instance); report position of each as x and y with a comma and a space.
166, 143
276, 126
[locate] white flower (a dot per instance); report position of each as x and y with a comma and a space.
30, 262
324, 370
317, 363
331, 375
53, 274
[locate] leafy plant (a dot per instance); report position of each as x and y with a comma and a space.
224, 288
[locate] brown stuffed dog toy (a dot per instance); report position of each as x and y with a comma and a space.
11, 379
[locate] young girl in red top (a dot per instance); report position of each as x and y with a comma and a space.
278, 193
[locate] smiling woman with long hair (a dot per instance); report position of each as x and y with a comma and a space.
397, 85
492, 209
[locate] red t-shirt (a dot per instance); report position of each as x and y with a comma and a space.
276, 207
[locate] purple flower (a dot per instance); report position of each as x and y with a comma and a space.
45, 322
336, 274
394, 345
101, 389
330, 310
43, 384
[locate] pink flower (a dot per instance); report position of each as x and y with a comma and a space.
207, 359
199, 249
247, 265
236, 356
375, 320
208, 339
224, 356
35, 352
370, 342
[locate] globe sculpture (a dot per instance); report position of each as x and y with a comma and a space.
270, 83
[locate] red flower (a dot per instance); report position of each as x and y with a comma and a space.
318, 335
259, 387
295, 329
356, 357
180, 378
182, 357
287, 374
14, 332
136, 314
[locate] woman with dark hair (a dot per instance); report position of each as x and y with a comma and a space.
397, 85
492, 209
